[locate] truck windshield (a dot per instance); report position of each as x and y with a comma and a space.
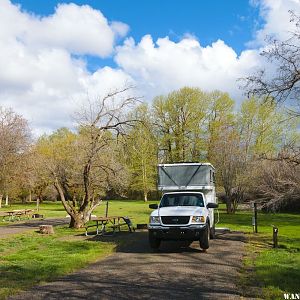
182, 200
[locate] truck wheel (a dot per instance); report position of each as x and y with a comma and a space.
212, 232
204, 239
154, 242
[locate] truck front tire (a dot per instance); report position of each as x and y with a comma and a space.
204, 238
212, 232
154, 242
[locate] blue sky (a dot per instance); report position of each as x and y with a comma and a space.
56, 53
233, 21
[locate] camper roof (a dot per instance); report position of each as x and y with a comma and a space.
186, 164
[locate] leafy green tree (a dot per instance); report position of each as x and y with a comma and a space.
180, 118
141, 153
256, 132
220, 116
260, 125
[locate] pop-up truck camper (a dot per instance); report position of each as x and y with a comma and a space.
186, 209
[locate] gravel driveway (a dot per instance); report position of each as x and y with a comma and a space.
136, 272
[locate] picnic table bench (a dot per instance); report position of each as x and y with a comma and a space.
16, 214
111, 222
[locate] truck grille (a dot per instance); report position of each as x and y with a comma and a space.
175, 220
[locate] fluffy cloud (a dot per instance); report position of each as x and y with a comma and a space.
276, 16
45, 77
77, 29
40, 76
166, 65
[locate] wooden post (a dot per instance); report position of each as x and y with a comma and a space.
6, 200
106, 209
255, 217
275, 236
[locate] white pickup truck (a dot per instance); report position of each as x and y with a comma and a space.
186, 209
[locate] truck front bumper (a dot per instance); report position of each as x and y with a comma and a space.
192, 232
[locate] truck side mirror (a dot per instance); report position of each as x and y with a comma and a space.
153, 206
212, 205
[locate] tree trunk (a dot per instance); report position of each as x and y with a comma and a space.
80, 217
145, 196
30, 196
6, 200
1, 200
228, 205
77, 221
37, 204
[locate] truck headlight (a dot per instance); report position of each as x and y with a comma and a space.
154, 220
198, 219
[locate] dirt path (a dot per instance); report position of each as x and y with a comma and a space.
16, 228
135, 272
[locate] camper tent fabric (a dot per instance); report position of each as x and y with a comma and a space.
185, 175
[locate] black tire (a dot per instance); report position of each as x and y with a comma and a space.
204, 239
154, 242
212, 232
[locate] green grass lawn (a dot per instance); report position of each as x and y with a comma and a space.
276, 270
48, 209
31, 258
138, 210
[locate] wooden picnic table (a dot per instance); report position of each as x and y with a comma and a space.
17, 213
112, 222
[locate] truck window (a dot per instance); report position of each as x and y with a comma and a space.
182, 200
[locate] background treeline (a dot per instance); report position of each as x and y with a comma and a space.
116, 147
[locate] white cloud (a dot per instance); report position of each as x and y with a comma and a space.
40, 78
119, 28
77, 29
166, 65
276, 16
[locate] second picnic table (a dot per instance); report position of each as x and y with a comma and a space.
17, 213
113, 222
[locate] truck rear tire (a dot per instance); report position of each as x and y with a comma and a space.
204, 239
154, 242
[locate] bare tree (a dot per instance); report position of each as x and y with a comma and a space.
85, 165
14, 141
277, 183
229, 159
285, 84
290, 153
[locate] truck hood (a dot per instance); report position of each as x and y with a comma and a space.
179, 211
